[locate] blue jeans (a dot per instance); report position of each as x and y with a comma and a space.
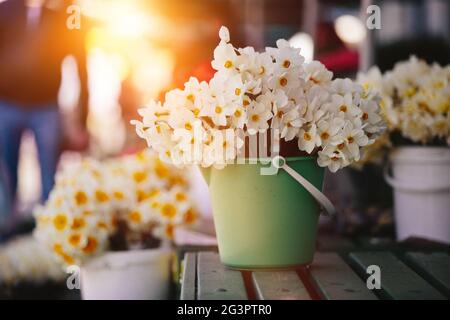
44, 123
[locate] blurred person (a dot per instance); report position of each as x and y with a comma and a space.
34, 40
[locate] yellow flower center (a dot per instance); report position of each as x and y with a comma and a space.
81, 198
410, 92
188, 126
169, 231
283, 81
135, 216
246, 103
262, 70
237, 91
78, 223
324, 136
168, 210
60, 221
218, 109
343, 108
67, 259
190, 97
196, 111
154, 192
102, 225
91, 245
350, 139
139, 176
341, 146
190, 216
238, 113
286, 63
74, 239
228, 64
141, 195
155, 204
57, 248
161, 170
101, 196
255, 118
180, 196
118, 195
307, 136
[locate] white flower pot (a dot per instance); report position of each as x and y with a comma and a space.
128, 275
421, 182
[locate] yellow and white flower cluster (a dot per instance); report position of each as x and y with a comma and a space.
93, 200
415, 99
23, 259
251, 93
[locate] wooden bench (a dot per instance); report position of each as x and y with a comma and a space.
332, 276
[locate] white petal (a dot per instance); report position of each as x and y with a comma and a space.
224, 34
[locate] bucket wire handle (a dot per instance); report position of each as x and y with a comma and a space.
279, 162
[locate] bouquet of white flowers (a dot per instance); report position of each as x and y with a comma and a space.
123, 201
23, 259
253, 93
415, 103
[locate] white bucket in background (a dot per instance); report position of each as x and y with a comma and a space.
128, 275
421, 182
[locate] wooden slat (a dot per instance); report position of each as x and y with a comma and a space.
282, 285
188, 280
216, 282
397, 280
434, 267
335, 280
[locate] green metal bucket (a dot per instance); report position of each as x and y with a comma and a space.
265, 221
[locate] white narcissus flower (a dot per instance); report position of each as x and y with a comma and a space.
291, 124
285, 81
350, 139
328, 128
182, 118
258, 116
153, 113
286, 57
344, 106
225, 58
308, 139
332, 158
317, 74
370, 116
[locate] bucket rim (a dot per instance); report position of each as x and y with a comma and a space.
420, 154
114, 260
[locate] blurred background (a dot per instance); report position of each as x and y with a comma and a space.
73, 73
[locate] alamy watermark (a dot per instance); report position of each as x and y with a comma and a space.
374, 279
374, 19
73, 21
74, 279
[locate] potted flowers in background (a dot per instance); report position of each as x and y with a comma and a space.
264, 218
416, 107
26, 267
116, 219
